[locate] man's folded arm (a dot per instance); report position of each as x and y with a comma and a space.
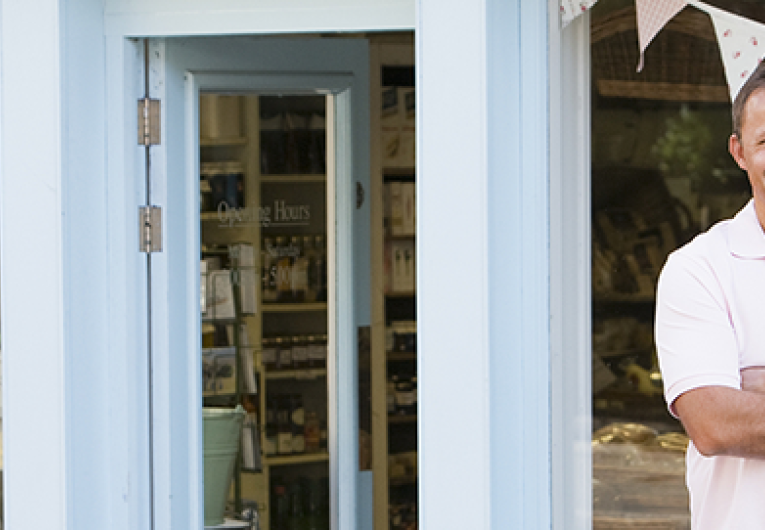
724, 421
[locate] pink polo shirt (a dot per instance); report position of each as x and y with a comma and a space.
710, 323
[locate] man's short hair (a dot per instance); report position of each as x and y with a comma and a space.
754, 83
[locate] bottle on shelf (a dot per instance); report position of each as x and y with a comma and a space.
279, 506
299, 273
309, 256
297, 518
320, 269
269, 275
283, 271
297, 421
312, 432
284, 443
270, 445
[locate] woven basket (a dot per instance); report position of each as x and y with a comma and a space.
681, 64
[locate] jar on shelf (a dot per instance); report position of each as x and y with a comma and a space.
297, 422
284, 348
406, 400
299, 352
319, 355
269, 354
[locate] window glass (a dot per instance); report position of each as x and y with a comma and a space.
264, 309
661, 173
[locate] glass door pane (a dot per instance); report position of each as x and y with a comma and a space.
661, 174
263, 215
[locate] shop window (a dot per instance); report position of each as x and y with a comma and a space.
661, 173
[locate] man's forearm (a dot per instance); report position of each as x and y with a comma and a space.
724, 421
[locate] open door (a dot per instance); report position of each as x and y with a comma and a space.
261, 289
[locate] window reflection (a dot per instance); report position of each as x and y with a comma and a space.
661, 173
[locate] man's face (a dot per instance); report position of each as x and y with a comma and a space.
749, 150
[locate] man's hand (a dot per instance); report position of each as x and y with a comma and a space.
753, 379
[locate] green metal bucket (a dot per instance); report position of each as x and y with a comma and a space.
222, 432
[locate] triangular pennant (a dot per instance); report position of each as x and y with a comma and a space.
742, 46
570, 9
652, 15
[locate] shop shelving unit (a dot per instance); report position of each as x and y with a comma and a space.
391, 433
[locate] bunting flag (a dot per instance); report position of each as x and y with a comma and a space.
742, 46
570, 9
652, 15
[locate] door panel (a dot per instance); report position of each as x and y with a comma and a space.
288, 78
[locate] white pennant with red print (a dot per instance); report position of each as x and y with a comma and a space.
742, 46
570, 9
652, 15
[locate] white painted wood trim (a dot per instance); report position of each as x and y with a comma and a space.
34, 337
570, 272
454, 456
140, 18
484, 264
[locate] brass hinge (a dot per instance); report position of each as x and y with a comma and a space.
150, 229
149, 120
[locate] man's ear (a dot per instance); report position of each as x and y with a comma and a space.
737, 151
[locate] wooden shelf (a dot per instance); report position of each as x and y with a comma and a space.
400, 171
402, 237
401, 294
209, 216
291, 179
402, 418
617, 298
215, 142
402, 481
401, 356
310, 373
291, 460
293, 308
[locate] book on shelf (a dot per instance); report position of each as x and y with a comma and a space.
244, 256
248, 363
251, 443
219, 370
220, 295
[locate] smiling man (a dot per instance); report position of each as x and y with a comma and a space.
710, 336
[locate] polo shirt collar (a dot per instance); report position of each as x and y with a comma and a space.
747, 239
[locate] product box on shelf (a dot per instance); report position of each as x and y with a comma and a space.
244, 256
400, 266
397, 128
219, 370
220, 295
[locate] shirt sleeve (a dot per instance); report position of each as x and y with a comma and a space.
695, 339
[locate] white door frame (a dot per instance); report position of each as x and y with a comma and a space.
80, 375
323, 66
